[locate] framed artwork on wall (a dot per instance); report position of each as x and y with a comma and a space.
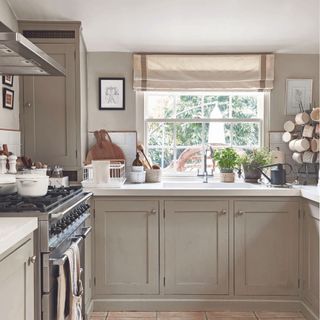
111, 93
7, 80
298, 95
7, 98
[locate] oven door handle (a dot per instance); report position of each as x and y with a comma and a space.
86, 232
64, 258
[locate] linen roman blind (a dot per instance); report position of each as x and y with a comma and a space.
203, 72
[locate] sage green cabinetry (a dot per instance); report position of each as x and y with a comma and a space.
196, 247
310, 255
266, 237
17, 282
53, 108
126, 247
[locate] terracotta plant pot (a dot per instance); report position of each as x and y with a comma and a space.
251, 174
226, 175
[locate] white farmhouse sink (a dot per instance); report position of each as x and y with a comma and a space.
209, 185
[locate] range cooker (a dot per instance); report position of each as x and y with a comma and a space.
63, 218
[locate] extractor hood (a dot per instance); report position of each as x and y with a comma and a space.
19, 56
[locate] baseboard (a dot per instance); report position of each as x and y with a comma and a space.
307, 312
89, 309
101, 305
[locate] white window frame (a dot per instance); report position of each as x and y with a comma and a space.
263, 108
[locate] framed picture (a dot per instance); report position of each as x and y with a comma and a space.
299, 93
111, 93
7, 80
8, 98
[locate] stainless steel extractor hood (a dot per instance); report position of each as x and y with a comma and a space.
19, 56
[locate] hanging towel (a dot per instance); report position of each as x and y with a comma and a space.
76, 288
62, 287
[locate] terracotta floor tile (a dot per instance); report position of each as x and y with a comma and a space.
97, 318
219, 315
98, 314
181, 315
276, 315
133, 314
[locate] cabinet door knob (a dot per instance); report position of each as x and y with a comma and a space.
240, 213
27, 104
153, 211
32, 259
223, 212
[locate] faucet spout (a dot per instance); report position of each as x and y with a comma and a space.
205, 174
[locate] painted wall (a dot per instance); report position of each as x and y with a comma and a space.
110, 64
295, 66
114, 64
9, 119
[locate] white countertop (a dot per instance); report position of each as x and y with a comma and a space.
196, 188
12, 230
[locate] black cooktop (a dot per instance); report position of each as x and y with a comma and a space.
54, 197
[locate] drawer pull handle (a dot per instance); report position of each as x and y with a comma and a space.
32, 259
223, 212
240, 213
153, 211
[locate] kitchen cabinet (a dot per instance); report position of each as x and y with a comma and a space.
310, 255
53, 109
126, 247
266, 247
17, 282
196, 247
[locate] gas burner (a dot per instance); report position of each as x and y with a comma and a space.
54, 197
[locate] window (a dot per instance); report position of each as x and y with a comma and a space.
179, 126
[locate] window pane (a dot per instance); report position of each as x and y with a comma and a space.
216, 107
188, 134
188, 107
161, 156
245, 134
160, 106
244, 107
155, 133
217, 133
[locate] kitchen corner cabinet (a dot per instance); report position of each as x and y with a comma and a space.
17, 283
310, 255
126, 247
196, 247
52, 107
266, 247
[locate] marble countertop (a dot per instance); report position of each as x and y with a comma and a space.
196, 188
12, 230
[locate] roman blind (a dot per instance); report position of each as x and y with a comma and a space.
203, 72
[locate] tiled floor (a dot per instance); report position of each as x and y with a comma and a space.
210, 315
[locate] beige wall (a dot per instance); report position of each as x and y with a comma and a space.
296, 66
120, 65
110, 64
9, 119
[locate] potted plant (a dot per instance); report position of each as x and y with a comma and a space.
253, 159
227, 160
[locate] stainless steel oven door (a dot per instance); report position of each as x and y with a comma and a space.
50, 276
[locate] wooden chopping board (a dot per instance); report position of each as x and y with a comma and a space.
104, 149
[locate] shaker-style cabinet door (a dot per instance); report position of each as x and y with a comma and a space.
266, 247
126, 247
196, 247
310, 255
49, 111
17, 284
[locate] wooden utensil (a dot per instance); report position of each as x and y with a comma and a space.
140, 147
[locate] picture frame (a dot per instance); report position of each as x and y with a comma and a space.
7, 98
298, 91
7, 80
111, 93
